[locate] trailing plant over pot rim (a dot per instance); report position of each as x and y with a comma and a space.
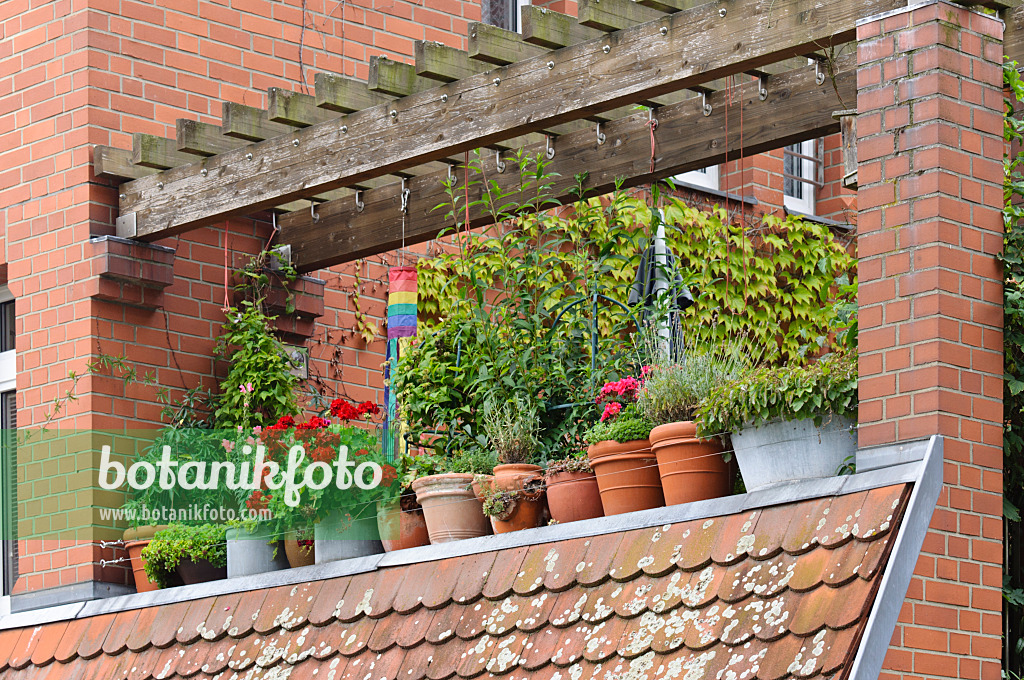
825, 388
171, 546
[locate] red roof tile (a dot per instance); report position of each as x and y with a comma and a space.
769, 594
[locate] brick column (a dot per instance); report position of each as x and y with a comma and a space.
930, 149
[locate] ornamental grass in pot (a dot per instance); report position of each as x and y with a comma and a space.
513, 497
692, 468
791, 423
620, 451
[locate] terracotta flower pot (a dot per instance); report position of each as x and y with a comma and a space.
573, 496
299, 554
627, 475
401, 529
450, 508
200, 572
512, 476
134, 541
525, 512
691, 469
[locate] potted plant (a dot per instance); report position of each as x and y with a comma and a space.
691, 468
620, 452
450, 506
514, 497
195, 554
572, 490
400, 518
790, 423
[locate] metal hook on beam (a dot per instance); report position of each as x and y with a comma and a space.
549, 146
819, 76
651, 120
312, 211
601, 137
359, 200
706, 108
405, 197
453, 178
762, 89
498, 163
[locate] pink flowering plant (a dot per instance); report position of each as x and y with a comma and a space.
621, 419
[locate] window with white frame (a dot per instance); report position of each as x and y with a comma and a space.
8, 449
800, 176
503, 13
706, 178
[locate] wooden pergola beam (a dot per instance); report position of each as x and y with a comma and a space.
796, 109
679, 51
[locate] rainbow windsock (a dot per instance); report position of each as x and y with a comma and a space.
401, 324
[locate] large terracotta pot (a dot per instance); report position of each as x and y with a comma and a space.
200, 572
299, 553
512, 476
691, 469
627, 475
525, 512
134, 541
573, 496
401, 529
451, 509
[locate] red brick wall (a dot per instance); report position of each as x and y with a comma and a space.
931, 338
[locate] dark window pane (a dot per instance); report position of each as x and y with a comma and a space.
9, 489
7, 326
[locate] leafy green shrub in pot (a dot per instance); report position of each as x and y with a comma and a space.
794, 422
180, 544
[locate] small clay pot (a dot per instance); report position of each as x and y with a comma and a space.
627, 475
401, 528
525, 512
299, 555
691, 469
200, 572
134, 541
573, 496
450, 508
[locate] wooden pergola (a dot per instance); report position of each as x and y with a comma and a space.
566, 87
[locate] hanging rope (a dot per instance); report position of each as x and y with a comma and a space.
227, 299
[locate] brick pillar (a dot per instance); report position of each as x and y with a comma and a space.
930, 149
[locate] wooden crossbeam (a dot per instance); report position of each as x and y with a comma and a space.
295, 108
345, 95
679, 51
249, 123
395, 78
614, 15
499, 46
158, 152
116, 164
1013, 36
203, 139
437, 61
797, 109
554, 30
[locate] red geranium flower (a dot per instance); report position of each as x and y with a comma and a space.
283, 423
368, 408
258, 500
343, 410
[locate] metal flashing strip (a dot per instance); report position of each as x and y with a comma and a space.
906, 472
917, 4
900, 568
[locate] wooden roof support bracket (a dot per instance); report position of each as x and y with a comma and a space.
643, 62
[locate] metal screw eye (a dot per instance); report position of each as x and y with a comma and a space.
203, 172
444, 98
606, 49
497, 81
122, 196
551, 64
722, 12
344, 129
664, 30
394, 113
159, 185
248, 156
295, 142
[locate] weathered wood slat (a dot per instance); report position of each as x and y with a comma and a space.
796, 109
250, 123
499, 46
696, 46
1013, 36
395, 78
113, 163
671, 5
203, 139
158, 152
345, 95
553, 30
614, 15
439, 62
295, 108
